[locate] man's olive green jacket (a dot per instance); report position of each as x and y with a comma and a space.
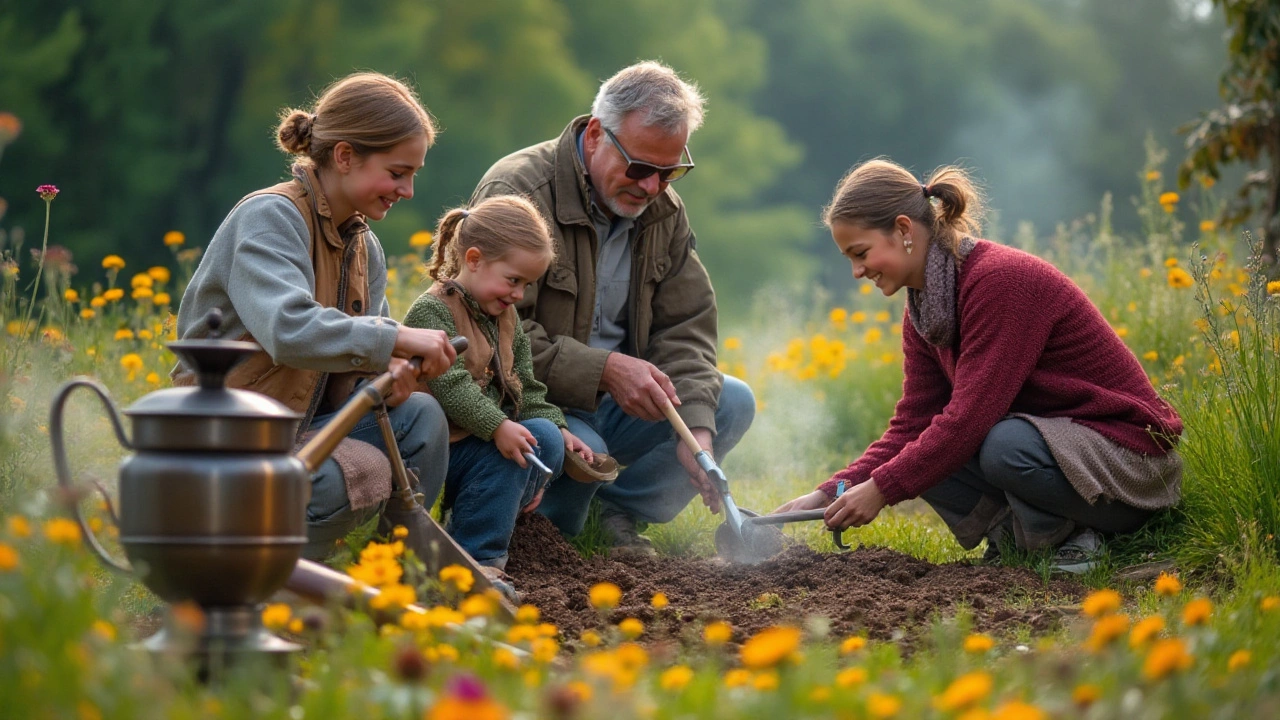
671, 305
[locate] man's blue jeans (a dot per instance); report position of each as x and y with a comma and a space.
422, 434
485, 491
654, 487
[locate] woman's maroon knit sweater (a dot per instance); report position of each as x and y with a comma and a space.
1030, 341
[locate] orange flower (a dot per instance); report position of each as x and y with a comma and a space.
605, 596
1101, 602
1165, 657
1197, 612
964, 691
1167, 584
770, 646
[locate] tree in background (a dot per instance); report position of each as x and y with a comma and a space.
1247, 128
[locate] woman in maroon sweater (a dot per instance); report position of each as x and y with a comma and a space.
1024, 419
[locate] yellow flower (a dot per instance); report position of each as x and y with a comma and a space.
71, 295
732, 343
865, 289
98, 301
1144, 273
852, 644
62, 531
420, 239
820, 694
131, 362
838, 316
161, 299
1165, 657
1179, 278
882, 316
173, 238
526, 614
631, 628
1167, 584
1153, 175
872, 336
1101, 602
737, 678
87, 313
770, 647
113, 294
605, 596
103, 629
153, 378
143, 293
1144, 630
1269, 603
142, 280
1105, 630
851, 677
505, 659
978, 643
477, 605
1151, 356
1197, 612
1206, 181
296, 626
1207, 226
964, 691
1171, 262
1168, 198
590, 638
883, 706
717, 633
544, 650
86, 710
1018, 710
1273, 287
457, 576
18, 526
8, 558
113, 262
1239, 659
276, 616
675, 678
858, 317
393, 595
1085, 694
765, 681
659, 601
124, 334
159, 273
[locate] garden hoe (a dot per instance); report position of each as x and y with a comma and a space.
745, 536
426, 537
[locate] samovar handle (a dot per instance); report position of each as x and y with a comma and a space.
60, 459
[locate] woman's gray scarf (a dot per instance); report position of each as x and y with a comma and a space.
933, 309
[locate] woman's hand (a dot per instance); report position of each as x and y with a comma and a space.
812, 501
430, 345
856, 507
574, 444
513, 441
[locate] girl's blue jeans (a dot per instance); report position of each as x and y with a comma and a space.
484, 491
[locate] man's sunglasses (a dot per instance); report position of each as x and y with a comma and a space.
637, 170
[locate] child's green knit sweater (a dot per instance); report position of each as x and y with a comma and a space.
467, 406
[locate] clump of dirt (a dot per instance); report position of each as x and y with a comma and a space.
877, 592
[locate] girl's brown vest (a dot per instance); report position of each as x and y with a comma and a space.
340, 262
486, 364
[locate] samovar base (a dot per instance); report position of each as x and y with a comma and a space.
230, 635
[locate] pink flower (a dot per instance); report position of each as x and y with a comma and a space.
47, 192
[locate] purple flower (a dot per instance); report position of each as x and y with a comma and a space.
47, 192
466, 687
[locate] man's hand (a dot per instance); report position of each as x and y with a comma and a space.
706, 488
513, 441
638, 387
856, 507
430, 345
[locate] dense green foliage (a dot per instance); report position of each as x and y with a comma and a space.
158, 116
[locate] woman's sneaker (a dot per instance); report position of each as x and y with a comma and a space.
1079, 553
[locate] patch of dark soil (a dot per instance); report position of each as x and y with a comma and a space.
877, 592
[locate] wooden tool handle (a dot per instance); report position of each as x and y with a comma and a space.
681, 429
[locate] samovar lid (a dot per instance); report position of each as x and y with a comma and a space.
211, 358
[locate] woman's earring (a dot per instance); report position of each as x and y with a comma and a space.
906, 243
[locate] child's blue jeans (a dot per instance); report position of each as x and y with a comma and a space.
485, 491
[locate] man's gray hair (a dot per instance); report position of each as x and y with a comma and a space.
669, 102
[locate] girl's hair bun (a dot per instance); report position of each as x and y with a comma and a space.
294, 134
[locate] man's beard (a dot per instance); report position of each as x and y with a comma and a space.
617, 209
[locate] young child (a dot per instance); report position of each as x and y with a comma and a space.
1024, 418
295, 268
497, 410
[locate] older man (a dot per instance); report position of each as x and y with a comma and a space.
624, 321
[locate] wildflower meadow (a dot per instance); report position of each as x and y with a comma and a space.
1197, 636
